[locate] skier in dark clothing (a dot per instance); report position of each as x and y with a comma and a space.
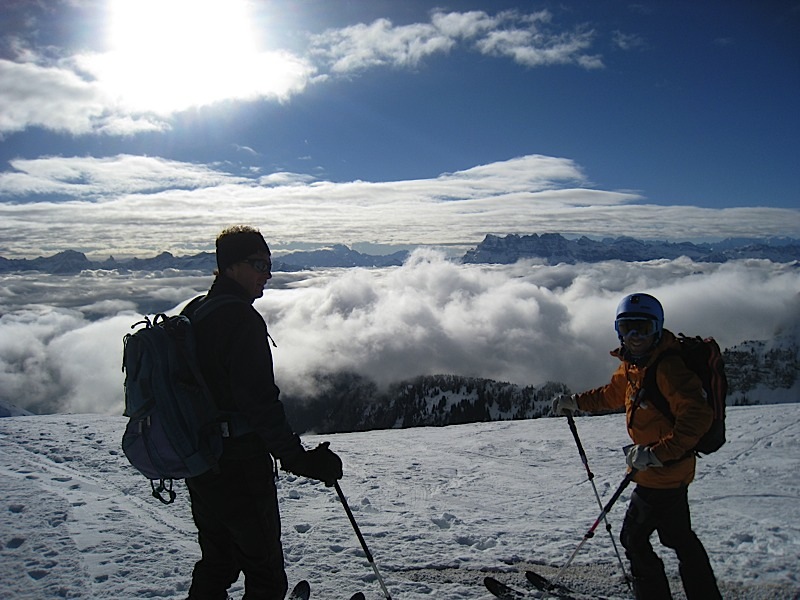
662, 451
235, 506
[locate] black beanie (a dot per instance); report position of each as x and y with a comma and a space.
238, 245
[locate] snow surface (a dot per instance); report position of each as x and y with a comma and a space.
440, 508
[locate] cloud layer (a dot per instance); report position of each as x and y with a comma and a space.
526, 323
135, 205
83, 92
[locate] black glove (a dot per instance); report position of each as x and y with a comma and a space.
321, 463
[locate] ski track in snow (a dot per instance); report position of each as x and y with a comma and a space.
439, 507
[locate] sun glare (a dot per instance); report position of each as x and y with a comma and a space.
168, 55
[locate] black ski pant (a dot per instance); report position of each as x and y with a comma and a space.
239, 530
665, 511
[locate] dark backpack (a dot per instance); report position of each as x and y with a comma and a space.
704, 358
175, 429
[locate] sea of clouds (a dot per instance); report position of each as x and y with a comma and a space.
528, 323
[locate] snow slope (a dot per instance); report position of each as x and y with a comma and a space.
439, 507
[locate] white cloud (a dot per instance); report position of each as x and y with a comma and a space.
379, 43
87, 176
127, 125
128, 205
465, 25
163, 60
526, 38
28, 373
137, 86
50, 97
155, 87
526, 323
79, 95
93, 382
628, 41
531, 48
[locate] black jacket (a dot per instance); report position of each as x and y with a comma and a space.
236, 361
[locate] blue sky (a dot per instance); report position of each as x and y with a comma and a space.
396, 123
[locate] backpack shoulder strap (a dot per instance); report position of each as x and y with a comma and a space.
232, 424
652, 392
202, 306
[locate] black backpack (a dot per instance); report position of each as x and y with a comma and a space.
175, 429
704, 357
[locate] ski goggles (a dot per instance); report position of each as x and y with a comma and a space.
259, 264
639, 327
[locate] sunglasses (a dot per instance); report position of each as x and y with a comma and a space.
640, 327
259, 264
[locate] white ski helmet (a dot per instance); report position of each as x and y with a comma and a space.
640, 306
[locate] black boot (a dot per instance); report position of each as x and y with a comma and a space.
652, 588
699, 582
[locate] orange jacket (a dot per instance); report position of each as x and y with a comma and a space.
646, 424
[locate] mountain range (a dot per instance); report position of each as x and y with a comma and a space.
555, 248
71, 261
551, 247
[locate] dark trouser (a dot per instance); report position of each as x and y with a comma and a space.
239, 529
667, 512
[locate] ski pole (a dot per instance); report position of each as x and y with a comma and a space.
574, 429
361, 539
590, 533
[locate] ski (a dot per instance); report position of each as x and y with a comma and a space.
503, 591
542, 583
548, 589
302, 591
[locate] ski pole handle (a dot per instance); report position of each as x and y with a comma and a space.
574, 429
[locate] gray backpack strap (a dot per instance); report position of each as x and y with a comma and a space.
202, 306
